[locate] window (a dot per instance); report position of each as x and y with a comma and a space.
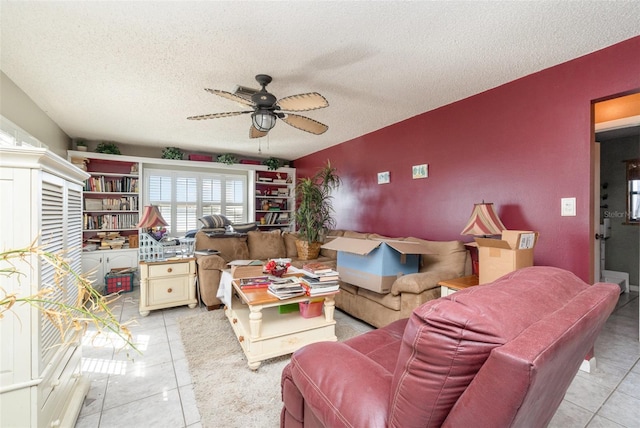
633, 182
184, 196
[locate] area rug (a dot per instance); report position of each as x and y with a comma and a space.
228, 393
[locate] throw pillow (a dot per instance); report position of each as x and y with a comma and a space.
266, 245
214, 221
290, 244
244, 227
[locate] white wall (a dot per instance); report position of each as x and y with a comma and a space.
16, 106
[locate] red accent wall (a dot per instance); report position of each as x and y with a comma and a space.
523, 146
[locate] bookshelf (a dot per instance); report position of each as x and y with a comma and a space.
275, 199
110, 212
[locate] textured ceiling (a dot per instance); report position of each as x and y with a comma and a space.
131, 72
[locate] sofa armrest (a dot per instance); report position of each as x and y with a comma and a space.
209, 272
329, 375
211, 262
418, 282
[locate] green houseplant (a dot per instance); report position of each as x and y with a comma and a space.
172, 153
227, 158
272, 163
314, 214
108, 148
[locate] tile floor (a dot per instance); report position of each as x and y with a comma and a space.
155, 390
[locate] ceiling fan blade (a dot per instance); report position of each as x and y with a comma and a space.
230, 96
217, 115
303, 102
254, 133
305, 124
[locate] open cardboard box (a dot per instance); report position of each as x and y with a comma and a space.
498, 257
375, 264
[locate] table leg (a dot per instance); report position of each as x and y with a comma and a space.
255, 320
329, 307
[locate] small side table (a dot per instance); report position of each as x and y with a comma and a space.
167, 283
450, 286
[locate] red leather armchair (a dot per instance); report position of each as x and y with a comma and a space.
496, 355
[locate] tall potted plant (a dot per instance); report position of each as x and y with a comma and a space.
314, 214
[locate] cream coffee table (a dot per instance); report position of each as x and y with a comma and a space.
263, 332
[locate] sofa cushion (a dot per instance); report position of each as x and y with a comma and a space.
266, 245
230, 247
447, 340
214, 221
290, 244
447, 255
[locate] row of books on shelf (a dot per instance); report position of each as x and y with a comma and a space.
110, 221
108, 184
275, 217
125, 203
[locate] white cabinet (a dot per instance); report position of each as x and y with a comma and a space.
41, 383
100, 263
166, 284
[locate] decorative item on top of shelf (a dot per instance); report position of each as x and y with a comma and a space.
108, 148
81, 145
172, 153
227, 158
272, 163
314, 215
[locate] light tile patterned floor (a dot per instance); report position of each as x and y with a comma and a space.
156, 391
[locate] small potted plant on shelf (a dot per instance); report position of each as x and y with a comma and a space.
107, 147
272, 163
81, 145
314, 214
227, 158
172, 153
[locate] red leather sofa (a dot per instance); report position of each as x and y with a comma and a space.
496, 355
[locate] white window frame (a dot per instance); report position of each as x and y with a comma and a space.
237, 211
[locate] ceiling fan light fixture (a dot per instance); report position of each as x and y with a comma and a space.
263, 120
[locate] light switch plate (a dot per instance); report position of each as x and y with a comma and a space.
568, 207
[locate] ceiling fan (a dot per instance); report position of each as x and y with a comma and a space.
266, 109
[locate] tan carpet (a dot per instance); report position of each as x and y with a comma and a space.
228, 393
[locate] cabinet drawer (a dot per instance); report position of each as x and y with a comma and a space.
168, 290
168, 269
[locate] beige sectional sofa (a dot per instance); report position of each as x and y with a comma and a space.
449, 259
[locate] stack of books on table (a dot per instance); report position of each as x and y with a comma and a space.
319, 279
286, 288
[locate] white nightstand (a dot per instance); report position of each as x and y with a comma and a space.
167, 283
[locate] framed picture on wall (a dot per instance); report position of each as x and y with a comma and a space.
384, 177
420, 171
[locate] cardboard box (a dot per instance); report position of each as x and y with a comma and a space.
375, 265
498, 257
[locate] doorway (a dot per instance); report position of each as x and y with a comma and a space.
616, 238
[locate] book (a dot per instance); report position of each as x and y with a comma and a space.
319, 288
316, 267
291, 288
255, 282
321, 278
245, 263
